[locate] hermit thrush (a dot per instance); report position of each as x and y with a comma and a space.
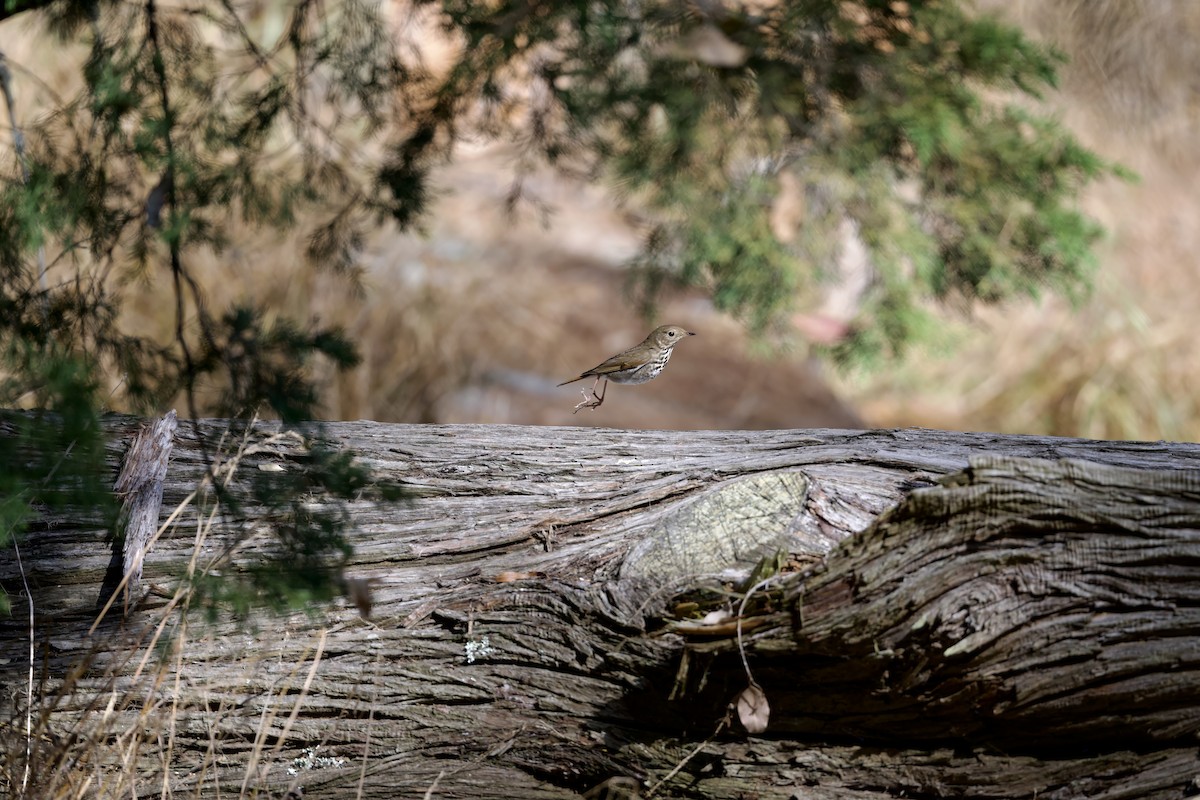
635, 365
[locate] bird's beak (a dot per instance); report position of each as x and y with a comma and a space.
690, 333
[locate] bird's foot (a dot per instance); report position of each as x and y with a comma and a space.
591, 402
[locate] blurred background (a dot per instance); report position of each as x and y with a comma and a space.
478, 313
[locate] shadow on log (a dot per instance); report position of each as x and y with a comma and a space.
557, 614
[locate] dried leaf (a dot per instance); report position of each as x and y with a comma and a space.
510, 576
685, 610
752, 709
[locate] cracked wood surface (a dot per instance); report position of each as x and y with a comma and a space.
1028, 630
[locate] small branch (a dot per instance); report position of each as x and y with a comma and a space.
741, 615
29, 685
683, 762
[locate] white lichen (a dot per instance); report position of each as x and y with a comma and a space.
478, 648
309, 760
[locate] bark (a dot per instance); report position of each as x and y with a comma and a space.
140, 488
557, 612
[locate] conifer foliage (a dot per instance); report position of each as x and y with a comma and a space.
908, 120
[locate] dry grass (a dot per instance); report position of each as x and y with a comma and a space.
114, 722
124, 738
1103, 372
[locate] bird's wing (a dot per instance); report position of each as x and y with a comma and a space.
621, 362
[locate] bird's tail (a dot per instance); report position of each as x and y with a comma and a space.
581, 377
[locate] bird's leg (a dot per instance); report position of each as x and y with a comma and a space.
595, 400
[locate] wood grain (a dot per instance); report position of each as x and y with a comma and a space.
1028, 628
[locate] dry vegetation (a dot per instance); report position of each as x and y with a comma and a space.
480, 315
124, 701
1121, 365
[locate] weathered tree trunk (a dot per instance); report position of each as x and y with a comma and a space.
557, 612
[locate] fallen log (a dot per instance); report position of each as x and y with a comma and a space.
563, 612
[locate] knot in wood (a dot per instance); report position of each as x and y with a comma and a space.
729, 527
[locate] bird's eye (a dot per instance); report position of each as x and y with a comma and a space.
670, 333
